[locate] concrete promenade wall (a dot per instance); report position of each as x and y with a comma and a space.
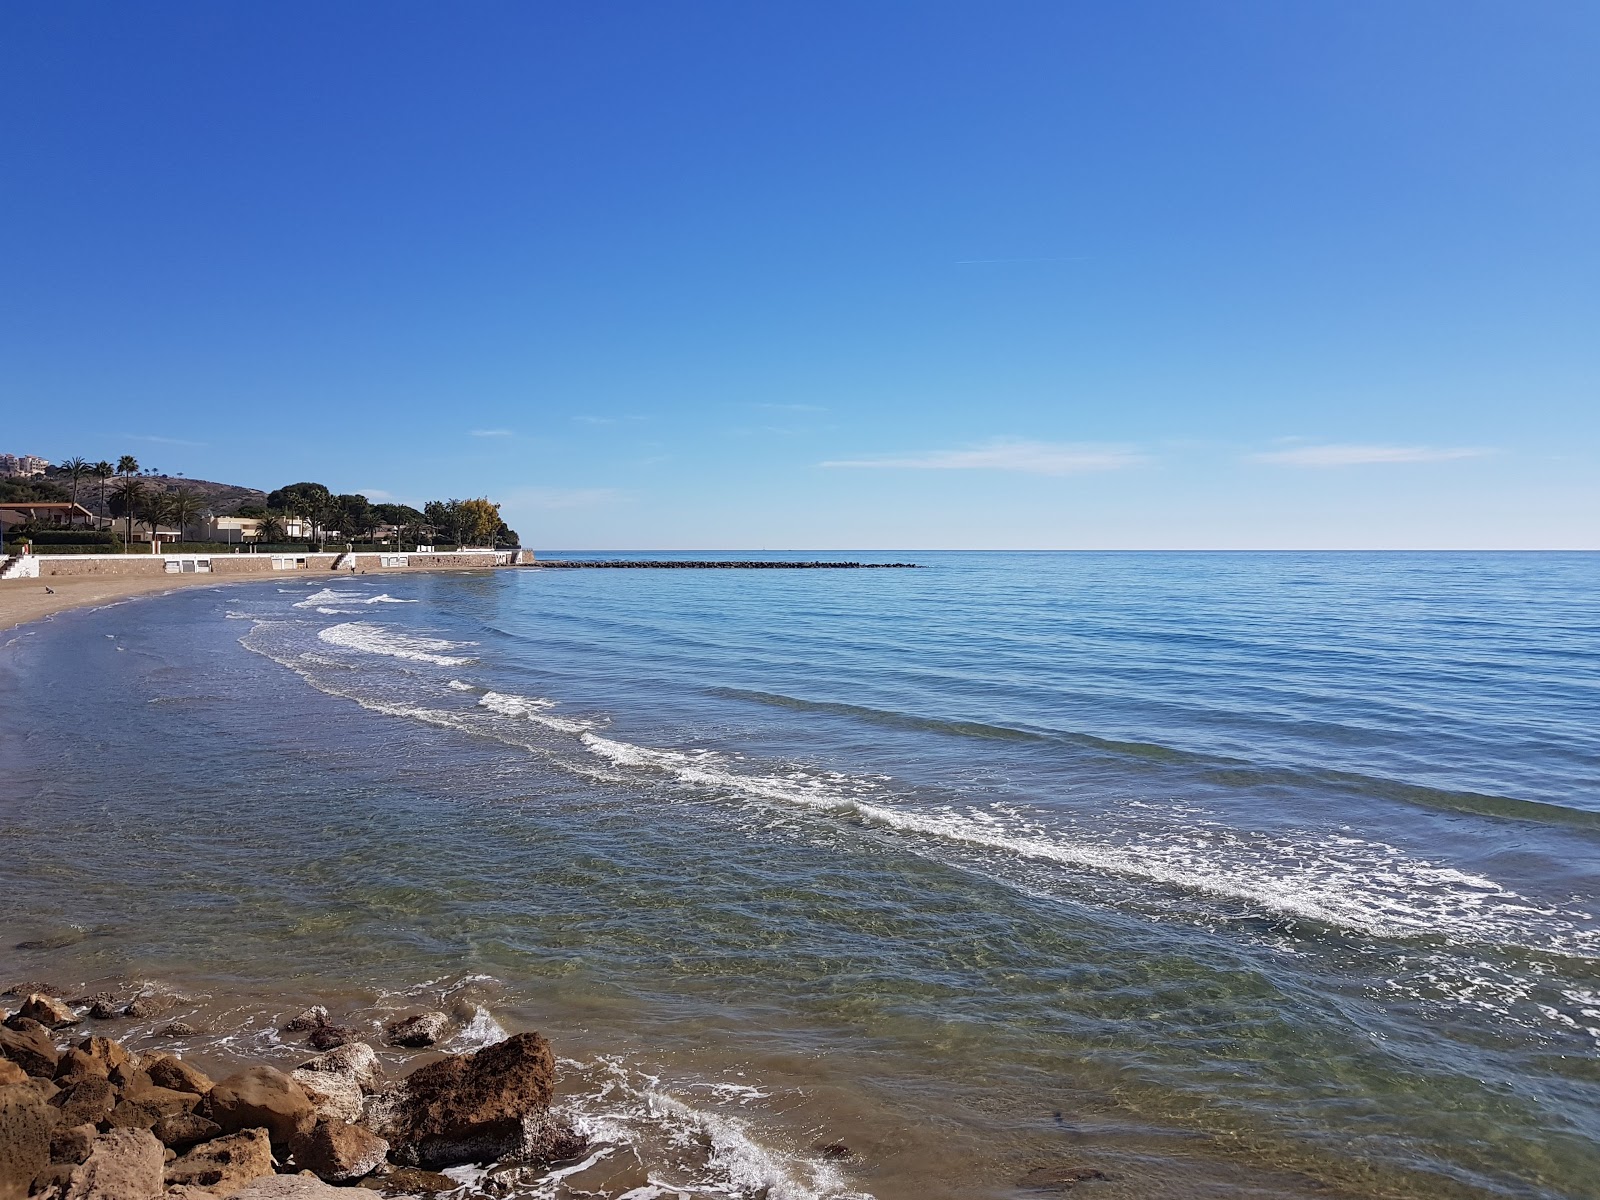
55, 565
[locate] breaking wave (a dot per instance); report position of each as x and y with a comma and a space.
367, 638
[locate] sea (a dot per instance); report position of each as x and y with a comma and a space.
1130, 875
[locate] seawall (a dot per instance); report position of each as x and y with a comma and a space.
55, 566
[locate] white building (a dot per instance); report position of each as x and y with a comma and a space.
13, 465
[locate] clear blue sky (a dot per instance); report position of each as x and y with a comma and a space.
825, 275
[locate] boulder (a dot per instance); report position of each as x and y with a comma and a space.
10, 1073
142, 1089
332, 1095
261, 1096
124, 1164
410, 1181
329, 1037
76, 1064
177, 1029
26, 1124
356, 1059
144, 1007
338, 1151
87, 1102
290, 1187
107, 1051
224, 1164
72, 1144
179, 1131
28, 1044
103, 1010
48, 1011
423, 1029
172, 1072
467, 1107
314, 1017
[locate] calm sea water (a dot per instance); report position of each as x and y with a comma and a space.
1232, 875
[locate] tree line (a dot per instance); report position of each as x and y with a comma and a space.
128, 495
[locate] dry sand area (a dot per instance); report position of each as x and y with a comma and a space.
23, 600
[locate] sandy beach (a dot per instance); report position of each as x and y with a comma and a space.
24, 600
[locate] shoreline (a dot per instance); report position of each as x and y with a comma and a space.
23, 601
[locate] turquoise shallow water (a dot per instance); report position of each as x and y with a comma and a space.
1255, 874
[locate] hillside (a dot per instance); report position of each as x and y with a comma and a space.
220, 498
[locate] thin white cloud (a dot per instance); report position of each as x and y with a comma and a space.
1008, 454
164, 441
1345, 454
494, 433
550, 498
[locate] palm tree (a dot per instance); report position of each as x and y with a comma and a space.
75, 469
127, 465
269, 528
126, 498
103, 471
186, 507
158, 507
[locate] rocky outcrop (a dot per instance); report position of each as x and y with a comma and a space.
179, 1131
357, 1060
332, 1095
28, 1044
423, 1029
107, 1051
290, 1187
10, 1073
468, 1107
87, 1101
172, 1072
76, 1064
124, 1164
338, 1151
225, 1164
260, 1097
26, 1124
312, 1018
48, 1011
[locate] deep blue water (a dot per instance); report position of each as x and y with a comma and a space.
1273, 870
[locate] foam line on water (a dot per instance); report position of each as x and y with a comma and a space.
332, 596
367, 638
532, 708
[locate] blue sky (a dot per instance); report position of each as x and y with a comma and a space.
825, 275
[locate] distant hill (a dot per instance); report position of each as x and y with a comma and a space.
220, 498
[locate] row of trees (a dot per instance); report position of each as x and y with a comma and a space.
464, 522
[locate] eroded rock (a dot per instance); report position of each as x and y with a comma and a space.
290, 1187
422, 1029
332, 1095
10, 1073
179, 1131
27, 1122
28, 1044
169, 1071
314, 1017
76, 1064
72, 1145
124, 1164
468, 1107
107, 1051
338, 1151
224, 1164
48, 1011
88, 1101
355, 1059
330, 1037
261, 1096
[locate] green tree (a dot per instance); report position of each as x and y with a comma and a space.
76, 469
269, 528
126, 499
103, 471
479, 520
311, 502
158, 508
186, 506
354, 514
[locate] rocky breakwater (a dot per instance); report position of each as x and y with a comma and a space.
85, 1118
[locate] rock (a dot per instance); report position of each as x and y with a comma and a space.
330, 1037
339, 1152
467, 1108
260, 1096
177, 1029
313, 1018
179, 1131
143, 1089
26, 1124
88, 1101
144, 1007
355, 1059
424, 1029
10, 1073
48, 1011
30, 986
331, 1094
107, 1051
290, 1187
409, 1181
172, 1072
103, 1010
72, 1144
124, 1164
126, 1114
224, 1164
28, 1044
835, 1151
77, 1064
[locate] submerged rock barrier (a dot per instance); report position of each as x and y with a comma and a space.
94, 1120
725, 565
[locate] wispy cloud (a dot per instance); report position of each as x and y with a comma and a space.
1008, 454
549, 498
495, 433
1346, 454
163, 441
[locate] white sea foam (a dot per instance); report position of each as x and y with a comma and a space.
330, 596
455, 685
482, 1030
368, 638
532, 708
